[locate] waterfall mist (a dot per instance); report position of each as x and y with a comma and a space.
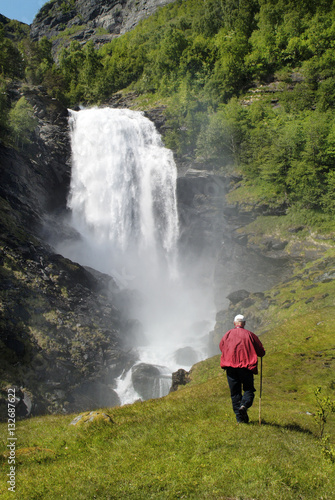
123, 204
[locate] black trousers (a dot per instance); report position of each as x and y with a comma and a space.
238, 379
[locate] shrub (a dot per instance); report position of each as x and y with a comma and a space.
22, 122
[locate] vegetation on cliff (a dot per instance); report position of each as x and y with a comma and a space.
247, 85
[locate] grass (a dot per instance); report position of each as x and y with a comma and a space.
188, 445
312, 222
255, 194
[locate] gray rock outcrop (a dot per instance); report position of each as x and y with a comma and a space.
147, 380
35, 179
180, 377
96, 20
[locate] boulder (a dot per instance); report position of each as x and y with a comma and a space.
180, 377
149, 381
186, 356
92, 395
92, 417
325, 277
238, 296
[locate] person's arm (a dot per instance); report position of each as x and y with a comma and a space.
222, 341
260, 351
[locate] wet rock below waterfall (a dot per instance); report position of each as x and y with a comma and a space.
186, 356
93, 395
150, 381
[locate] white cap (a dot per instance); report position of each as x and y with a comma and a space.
239, 318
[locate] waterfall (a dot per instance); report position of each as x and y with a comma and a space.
122, 194
123, 203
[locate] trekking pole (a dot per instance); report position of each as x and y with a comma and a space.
260, 393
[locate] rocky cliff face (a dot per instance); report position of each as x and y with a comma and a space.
64, 334
40, 172
96, 20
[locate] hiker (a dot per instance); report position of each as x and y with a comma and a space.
240, 349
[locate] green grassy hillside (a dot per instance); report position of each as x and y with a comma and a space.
188, 445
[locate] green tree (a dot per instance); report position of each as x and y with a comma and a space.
328, 198
222, 139
198, 59
168, 58
11, 62
287, 141
38, 59
230, 74
71, 60
307, 176
3, 108
89, 75
22, 122
209, 17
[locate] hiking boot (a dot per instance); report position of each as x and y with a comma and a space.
244, 414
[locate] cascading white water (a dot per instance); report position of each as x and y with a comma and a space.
123, 190
123, 203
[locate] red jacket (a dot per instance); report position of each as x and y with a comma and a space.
240, 349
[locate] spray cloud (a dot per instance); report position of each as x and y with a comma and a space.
123, 204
